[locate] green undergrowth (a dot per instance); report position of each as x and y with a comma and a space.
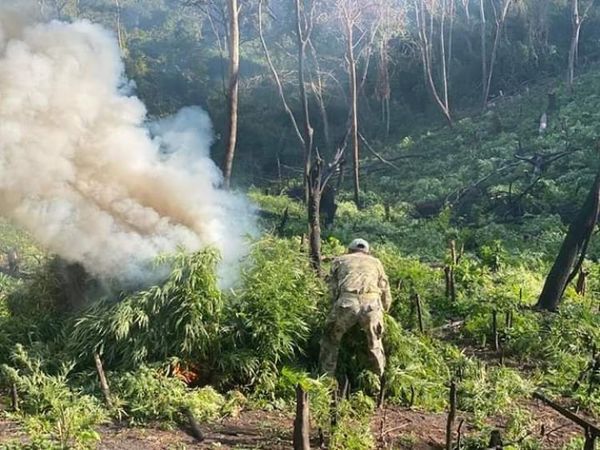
249, 347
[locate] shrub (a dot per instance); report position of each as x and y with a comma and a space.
270, 320
53, 413
148, 394
180, 317
353, 430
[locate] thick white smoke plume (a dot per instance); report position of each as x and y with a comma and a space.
84, 173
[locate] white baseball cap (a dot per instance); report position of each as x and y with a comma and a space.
359, 245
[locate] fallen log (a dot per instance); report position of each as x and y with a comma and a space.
592, 432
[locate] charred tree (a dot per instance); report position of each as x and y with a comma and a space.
572, 252
233, 91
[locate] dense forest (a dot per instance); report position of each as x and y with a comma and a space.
178, 175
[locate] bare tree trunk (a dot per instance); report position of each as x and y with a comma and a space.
234, 70
483, 51
312, 169
577, 20
426, 57
353, 104
466, 5
450, 38
314, 179
572, 252
318, 91
573, 54
120, 39
499, 25
314, 216
383, 84
443, 51
302, 37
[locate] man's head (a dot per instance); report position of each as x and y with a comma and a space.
358, 246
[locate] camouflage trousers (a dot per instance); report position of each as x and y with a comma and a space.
348, 310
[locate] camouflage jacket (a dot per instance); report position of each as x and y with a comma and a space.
359, 273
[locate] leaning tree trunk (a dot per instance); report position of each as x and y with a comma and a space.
234, 69
572, 251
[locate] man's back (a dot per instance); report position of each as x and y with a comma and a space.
357, 273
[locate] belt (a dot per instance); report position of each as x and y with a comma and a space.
360, 294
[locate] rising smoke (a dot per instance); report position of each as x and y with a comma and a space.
85, 173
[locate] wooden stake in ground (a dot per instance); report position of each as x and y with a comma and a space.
449, 272
419, 308
508, 319
301, 422
103, 383
195, 429
495, 330
14, 394
451, 415
495, 440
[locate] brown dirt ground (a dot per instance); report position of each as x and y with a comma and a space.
393, 428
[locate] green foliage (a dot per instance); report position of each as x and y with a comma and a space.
148, 395
53, 412
486, 392
319, 393
178, 318
271, 319
353, 431
408, 276
263, 337
416, 369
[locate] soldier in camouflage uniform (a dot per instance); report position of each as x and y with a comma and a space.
361, 294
